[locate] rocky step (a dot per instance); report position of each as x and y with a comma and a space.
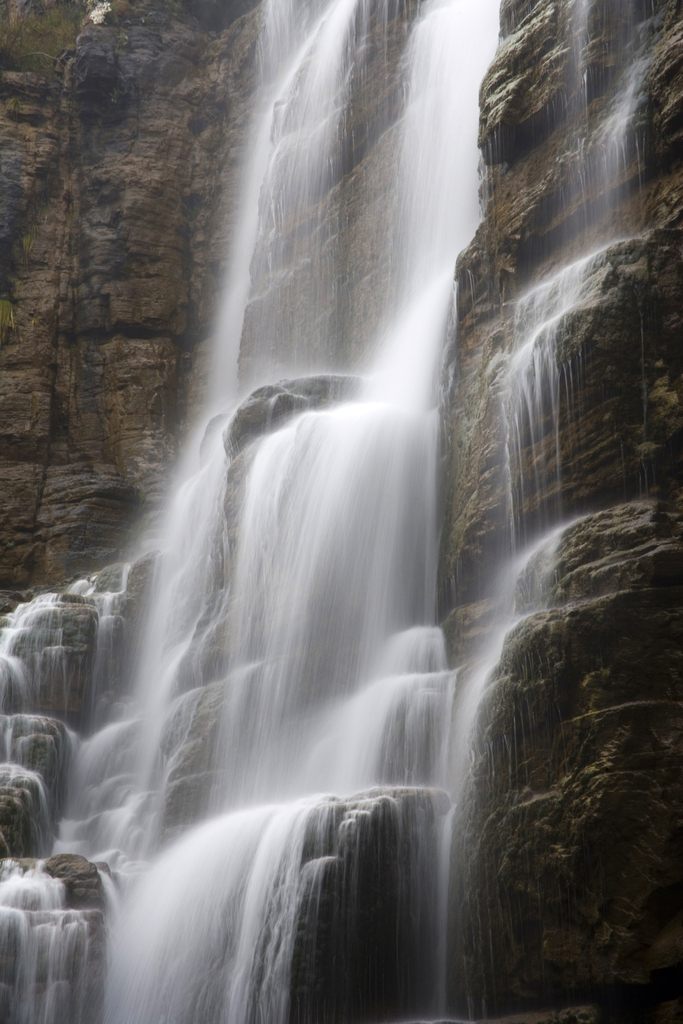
269, 407
35, 754
568, 1015
60, 978
364, 944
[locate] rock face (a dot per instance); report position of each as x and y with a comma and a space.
538, 221
567, 857
564, 396
368, 908
118, 190
117, 184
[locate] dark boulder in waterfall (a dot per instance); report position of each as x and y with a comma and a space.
82, 881
364, 949
269, 407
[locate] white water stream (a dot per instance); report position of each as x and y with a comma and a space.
320, 592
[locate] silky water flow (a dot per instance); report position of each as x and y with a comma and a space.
298, 582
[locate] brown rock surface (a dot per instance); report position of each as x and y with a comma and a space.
620, 424
117, 183
82, 881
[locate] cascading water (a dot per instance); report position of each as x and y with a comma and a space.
543, 385
298, 573
293, 602
539, 381
544, 382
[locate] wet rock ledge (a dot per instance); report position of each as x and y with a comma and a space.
568, 868
54, 954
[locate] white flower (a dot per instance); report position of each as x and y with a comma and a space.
100, 12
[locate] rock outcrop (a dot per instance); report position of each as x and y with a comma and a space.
565, 396
568, 870
617, 395
368, 908
36, 755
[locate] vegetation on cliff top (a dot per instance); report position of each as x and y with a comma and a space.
33, 40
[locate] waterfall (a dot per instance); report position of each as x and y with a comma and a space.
272, 769
271, 761
296, 585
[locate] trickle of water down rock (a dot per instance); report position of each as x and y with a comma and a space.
242, 774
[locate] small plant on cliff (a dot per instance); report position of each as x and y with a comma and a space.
98, 11
35, 40
13, 106
6, 319
27, 242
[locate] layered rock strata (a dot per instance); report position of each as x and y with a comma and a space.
567, 867
117, 185
607, 425
563, 397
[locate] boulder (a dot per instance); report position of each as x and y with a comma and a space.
269, 407
366, 939
25, 826
192, 772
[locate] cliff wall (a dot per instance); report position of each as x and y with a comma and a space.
118, 179
564, 394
